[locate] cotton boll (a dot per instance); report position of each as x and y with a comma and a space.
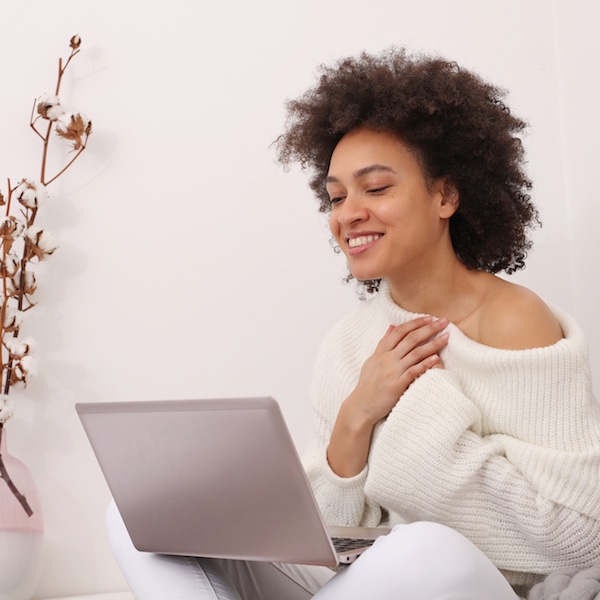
23, 370
11, 227
29, 366
75, 42
16, 347
30, 285
48, 107
31, 193
40, 242
75, 127
6, 408
13, 318
10, 265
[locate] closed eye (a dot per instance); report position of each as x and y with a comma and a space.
379, 190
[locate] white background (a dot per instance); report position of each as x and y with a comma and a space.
190, 264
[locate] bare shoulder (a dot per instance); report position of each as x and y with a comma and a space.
515, 318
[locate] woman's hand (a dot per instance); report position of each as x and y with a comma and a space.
405, 352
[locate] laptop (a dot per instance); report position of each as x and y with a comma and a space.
218, 478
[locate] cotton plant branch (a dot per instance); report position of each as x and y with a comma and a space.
23, 244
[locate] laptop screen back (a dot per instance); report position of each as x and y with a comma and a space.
215, 478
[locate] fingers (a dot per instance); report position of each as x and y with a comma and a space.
419, 352
395, 333
407, 337
423, 357
404, 353
416, 346
417, 369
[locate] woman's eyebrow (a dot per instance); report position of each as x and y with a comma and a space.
362, 172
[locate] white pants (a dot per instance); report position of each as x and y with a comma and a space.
420, 561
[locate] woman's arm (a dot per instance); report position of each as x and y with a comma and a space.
404, 353
528, 496
339, 490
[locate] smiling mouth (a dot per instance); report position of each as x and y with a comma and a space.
362, 240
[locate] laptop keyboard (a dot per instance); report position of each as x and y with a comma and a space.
343, 544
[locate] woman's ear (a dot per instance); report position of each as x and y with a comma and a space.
450, 198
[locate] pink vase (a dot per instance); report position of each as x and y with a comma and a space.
21, 535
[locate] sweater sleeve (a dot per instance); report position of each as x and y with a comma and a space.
342, 500
531, 506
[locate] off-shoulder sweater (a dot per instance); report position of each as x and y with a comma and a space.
501, 445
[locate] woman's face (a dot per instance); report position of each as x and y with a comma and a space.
389, 221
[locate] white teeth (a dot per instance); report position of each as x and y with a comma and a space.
363, 239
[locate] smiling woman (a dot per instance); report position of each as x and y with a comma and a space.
452, 406
420, 166
452, 120
385, 215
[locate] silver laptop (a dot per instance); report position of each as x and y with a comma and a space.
214, 478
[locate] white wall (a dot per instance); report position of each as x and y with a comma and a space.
579, 84
192, 265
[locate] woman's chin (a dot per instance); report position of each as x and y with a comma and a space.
362, 275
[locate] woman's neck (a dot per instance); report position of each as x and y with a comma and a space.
447, 290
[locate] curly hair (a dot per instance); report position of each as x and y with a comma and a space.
456, 124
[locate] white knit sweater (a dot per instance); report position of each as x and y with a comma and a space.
502, 445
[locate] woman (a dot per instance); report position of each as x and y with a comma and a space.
451, 404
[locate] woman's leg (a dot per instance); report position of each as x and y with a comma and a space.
158, 577
275, 581
420, 561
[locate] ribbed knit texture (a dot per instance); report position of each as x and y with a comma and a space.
502, 445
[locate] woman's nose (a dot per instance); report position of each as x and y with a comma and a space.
352, 210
